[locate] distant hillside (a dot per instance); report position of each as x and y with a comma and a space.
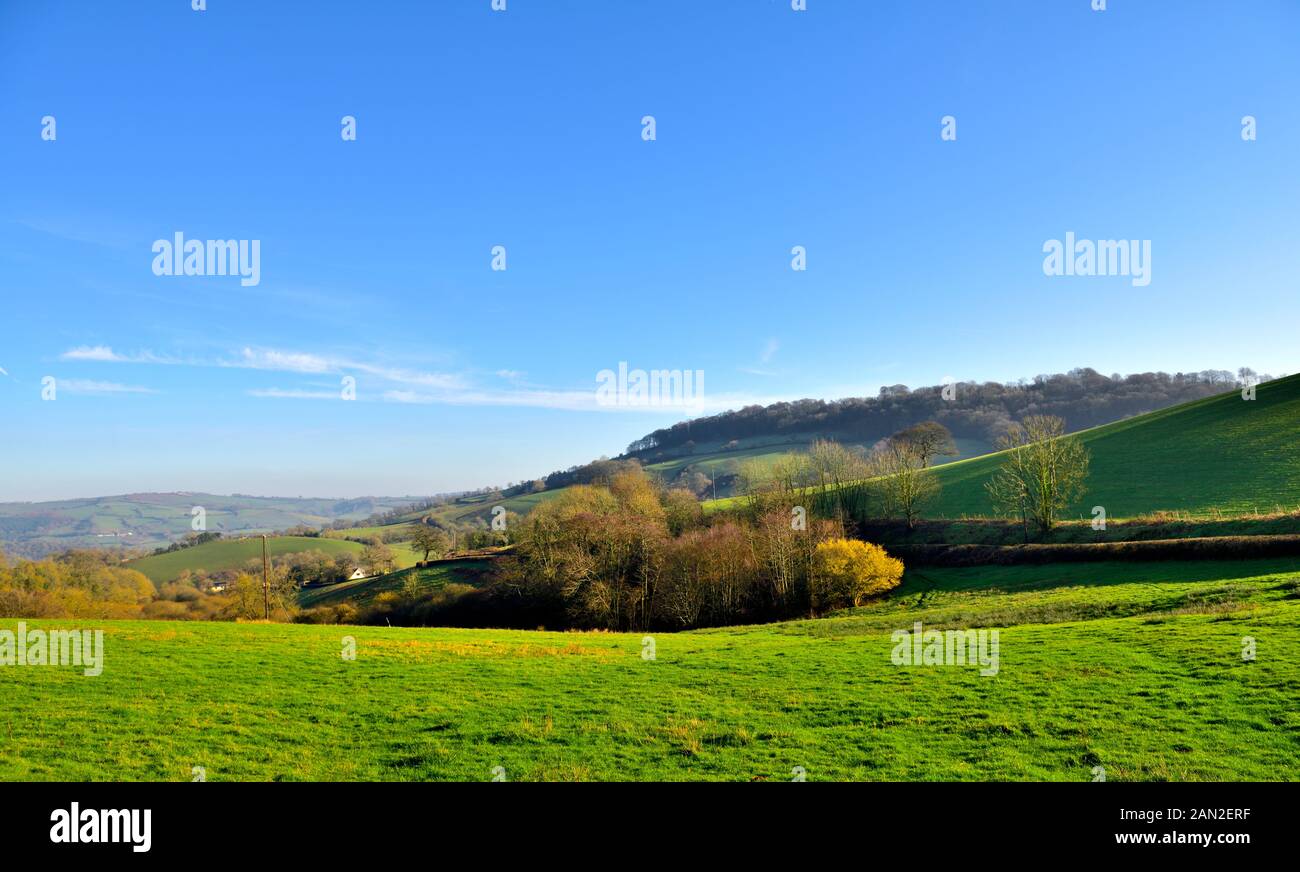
149, 520
972, 411
713, 470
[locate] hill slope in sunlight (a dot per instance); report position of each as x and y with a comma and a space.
1226, 453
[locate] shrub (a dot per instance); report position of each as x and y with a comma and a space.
847, 571
166, 610
338, 613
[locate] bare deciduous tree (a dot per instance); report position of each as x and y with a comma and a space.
1044, 471
836, 474
378, 559
904, 484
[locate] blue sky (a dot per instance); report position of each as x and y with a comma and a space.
522, 128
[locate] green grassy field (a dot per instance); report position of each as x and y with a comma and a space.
1137, 668
234, 553
363, 590
724, 462
403, 530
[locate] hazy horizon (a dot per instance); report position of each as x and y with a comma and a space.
378, 494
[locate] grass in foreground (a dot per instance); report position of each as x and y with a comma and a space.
1134, 667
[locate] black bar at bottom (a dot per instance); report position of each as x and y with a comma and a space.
333, 822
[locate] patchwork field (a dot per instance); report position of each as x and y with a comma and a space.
234, 553
1136, 668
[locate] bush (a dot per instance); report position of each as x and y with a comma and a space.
451, 605
166, 610
339, 613
846, 572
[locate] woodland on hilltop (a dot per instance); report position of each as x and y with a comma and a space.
1082, 398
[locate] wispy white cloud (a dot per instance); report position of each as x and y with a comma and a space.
92, 352
576, 401
546, 399
408, 377
399, 384
409, 397
317, 364
276, 360
769, 350
86, 386
294, 394
105, 354
280, 361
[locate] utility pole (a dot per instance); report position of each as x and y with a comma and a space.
266, 582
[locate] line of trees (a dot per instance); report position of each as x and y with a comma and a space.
848, 484
93, 584
1043, 472
630, 555
190, 541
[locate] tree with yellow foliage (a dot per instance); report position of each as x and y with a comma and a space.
846, 572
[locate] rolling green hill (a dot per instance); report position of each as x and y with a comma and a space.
1218, 456
1136, 668
1223, 453
234, 553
